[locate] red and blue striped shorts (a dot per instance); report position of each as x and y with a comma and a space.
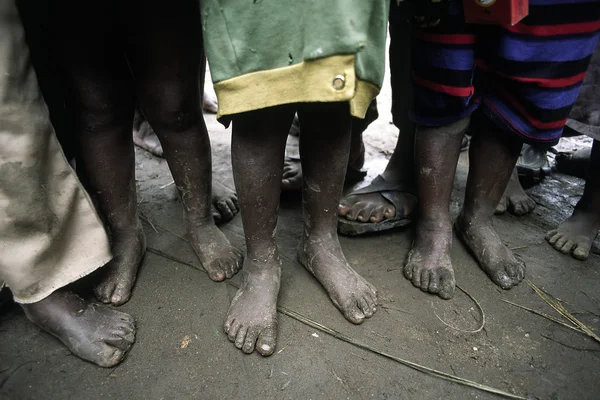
524, 77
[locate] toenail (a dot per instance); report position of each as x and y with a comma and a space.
265, 347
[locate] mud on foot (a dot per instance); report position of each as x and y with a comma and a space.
494, 258
575, 235
119, 275
350, 293
428, 265
251, 321
90, 331
218, 257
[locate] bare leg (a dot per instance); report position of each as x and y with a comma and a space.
257, 149
576, 235
103, 103
91, 331
169, 98
514, 198
324, 147
492, 158
429, 266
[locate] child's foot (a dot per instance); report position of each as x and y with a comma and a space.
576, 234
352, 294
514, 199
428, 266
218, 257
225, 201
144, 136
291, 180
119, 275
91, 331
252, 317
494, 258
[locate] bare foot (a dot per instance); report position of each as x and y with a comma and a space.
514, 199
93, 332
209, 103
575, 235
352, 294
494, 258
144, 136
252, 317
119, 275
428, 265
291, 179
218, 257
225, 202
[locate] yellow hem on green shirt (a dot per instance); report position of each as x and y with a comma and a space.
329, 79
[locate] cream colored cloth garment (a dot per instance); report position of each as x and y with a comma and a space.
50, 234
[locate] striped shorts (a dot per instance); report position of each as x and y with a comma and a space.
525, 78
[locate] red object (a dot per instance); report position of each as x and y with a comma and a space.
495, 12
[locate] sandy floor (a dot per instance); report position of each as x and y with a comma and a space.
181, 351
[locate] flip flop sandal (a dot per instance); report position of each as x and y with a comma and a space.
390, 192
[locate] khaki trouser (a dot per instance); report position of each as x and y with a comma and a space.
50, 234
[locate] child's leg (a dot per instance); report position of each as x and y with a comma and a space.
103, 104
577, 233
492, 157
324, 148
436, 154
165, 58
257, 150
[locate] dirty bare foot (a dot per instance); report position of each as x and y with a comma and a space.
119, 275
144, 136
225, 202
350, 293
514, 199
251, 321
218, 257
576, 235
291, 180
428, 265
494, 258
93, 332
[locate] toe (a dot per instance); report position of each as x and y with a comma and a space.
582, 252
416, 277
501, 207
551, 234
502, 279
232, 208
121, 343
560, 242
364, 306
377, 214
567, 247
434, 282
266, 342
104, 292
240, 339
215, 272
447, 285
109, 356
371, 303
389, 212
425, 274
408, 270
232, 330
364, 214
353, 313
517, 208
555, 238
343, 209
250, 341
121, 295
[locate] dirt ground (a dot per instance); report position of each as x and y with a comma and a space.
182, 352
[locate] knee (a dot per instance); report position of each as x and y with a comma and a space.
170, 113
96, 115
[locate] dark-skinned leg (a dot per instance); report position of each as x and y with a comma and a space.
324, 148
373, 207
169, 98
257, 150
103, 104
436, 154
576, 235
492, 158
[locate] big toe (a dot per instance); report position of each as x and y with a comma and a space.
501, 207
353, 313
108, 356
267, 340
121, 294
582, 252
104, 291
215, 271
502, 279
223, 208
